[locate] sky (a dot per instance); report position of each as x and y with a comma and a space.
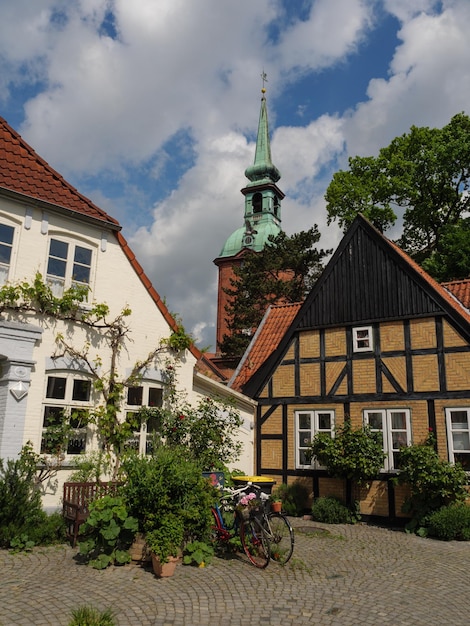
150, 108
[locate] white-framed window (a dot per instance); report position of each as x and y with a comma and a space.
68, 264
67, 397
307, 425
6, 246
146, 395
458, 436
362, 339
395, 428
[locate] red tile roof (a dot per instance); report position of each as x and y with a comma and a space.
25, 172
460, 289
272, 329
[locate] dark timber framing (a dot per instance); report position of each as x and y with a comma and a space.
368, 282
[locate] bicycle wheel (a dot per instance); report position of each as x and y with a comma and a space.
281, 539
255, 543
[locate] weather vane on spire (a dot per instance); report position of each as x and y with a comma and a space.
264, 78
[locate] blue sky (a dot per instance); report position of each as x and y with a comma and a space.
150, 108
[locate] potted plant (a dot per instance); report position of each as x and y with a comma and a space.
164, 542
275, 501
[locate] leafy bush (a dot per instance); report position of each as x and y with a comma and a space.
450, 522
89, 616
433, 482
50, 529
294, 497
20, 502
22, 519
197, 553
208, 431
168, 482
108, 533
330, 510
355, 455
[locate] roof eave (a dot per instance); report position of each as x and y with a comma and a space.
25, 199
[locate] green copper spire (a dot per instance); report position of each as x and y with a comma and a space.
262, 196
263, 169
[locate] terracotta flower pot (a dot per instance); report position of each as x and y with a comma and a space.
164, 570
276, 507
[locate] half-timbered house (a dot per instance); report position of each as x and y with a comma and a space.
377, 341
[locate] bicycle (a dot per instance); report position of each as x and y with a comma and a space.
272, 529
229, 526
263, 535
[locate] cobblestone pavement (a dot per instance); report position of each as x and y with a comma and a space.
348, 576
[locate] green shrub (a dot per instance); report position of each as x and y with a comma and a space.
107, 533
294, 497
50, 529
433, 482
355, 455
330, 510
168, 482
197, 553
450, 522
89, 616
20, 501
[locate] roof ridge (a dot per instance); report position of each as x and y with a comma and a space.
456, 281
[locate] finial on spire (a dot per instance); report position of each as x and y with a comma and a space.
264, 78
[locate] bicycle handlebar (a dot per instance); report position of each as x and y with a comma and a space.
231, 492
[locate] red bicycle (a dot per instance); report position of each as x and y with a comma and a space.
263, 534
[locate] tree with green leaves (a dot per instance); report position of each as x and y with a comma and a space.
424, 174
283, 272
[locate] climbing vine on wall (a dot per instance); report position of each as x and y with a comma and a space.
36, 298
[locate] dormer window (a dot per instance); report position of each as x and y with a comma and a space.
362, 339
67, 265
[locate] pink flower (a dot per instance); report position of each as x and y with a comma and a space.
245, 500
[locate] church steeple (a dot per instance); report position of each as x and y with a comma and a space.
263, 198
263, 169
262, 218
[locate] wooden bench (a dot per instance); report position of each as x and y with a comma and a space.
76, 500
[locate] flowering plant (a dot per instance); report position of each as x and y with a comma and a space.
249, 505
247, 499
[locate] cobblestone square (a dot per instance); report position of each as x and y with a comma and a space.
348, 576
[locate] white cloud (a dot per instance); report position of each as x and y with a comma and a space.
429, 81
301, 151
333, 30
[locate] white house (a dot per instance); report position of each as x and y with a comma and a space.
48, 227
